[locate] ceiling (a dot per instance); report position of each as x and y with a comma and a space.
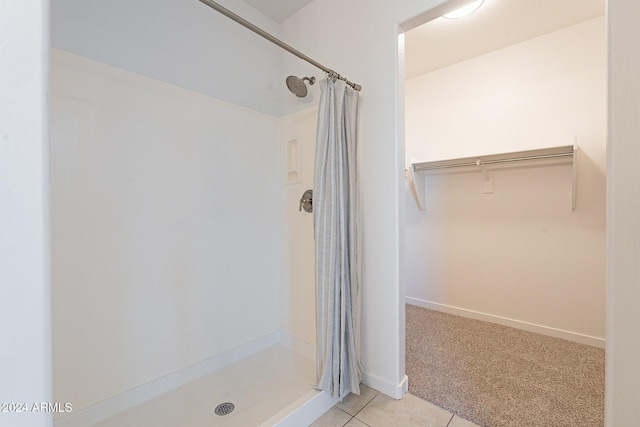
497, 24
278, 10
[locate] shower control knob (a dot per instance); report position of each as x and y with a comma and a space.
306, 202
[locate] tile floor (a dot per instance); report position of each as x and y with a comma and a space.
374, 409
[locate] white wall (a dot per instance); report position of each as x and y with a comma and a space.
164, 218
623, 210
25, 347
519, 253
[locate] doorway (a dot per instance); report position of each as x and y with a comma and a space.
509, 78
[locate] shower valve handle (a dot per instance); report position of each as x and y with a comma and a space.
306, 202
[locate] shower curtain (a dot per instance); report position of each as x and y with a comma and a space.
336, 240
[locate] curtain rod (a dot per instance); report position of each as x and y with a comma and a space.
226, 12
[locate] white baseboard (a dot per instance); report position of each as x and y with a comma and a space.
136, 396
396, 391
518, 324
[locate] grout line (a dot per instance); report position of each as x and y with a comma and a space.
349, 420
452, 416
359, 420
370, 400
343, 411
367, 404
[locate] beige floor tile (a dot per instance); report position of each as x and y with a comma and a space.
334, 417
461, 422
353, 403
355, 423
384, 411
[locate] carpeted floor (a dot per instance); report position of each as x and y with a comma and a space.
496, 376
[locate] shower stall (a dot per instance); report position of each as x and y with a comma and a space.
182, 268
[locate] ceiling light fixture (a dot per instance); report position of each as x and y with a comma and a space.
464, 10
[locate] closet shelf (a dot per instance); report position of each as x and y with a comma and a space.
487, 164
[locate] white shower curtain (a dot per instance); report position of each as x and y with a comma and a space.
335, 218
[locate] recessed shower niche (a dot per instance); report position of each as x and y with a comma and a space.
292, 161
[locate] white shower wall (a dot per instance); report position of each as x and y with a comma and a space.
184, 43
164, 218
519, 256
297, 275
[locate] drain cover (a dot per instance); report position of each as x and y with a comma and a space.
224, 408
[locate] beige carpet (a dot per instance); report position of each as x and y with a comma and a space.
498, 376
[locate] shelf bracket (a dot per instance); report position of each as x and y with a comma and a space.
487, 176
488, 181
417, 185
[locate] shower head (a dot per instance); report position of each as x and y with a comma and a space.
297, 87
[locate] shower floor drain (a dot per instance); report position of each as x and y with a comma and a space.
224, 408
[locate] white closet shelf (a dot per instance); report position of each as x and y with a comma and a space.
486, 164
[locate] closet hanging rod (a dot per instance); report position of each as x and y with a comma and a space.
480, 162
259, 31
